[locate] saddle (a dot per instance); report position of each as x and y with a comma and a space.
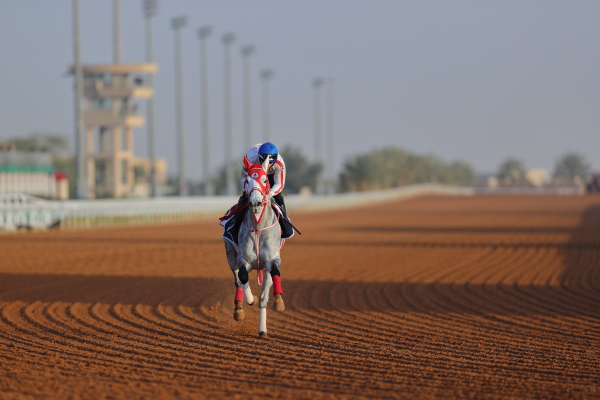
233, 218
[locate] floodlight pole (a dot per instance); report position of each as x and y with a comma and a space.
178, 23
81, 184
247, 51
228, 38
203, 34
149, 12
117, 31
317, 84
330, 153
266, 75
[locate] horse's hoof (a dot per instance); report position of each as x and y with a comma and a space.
263, 335
239, 314
254, 302
279, 305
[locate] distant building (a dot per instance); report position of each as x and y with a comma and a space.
62, 185
141, 167
109, 116
31, 172
538, 177
492, 181
486, 179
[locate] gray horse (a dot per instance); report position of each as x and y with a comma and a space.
259, 242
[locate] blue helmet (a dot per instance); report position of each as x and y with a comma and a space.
269, 150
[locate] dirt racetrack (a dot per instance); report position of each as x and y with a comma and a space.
436, 297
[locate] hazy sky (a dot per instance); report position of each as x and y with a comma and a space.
474, 80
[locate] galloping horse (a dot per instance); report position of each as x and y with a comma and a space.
259, 242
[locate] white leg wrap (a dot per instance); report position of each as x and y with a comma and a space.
262, 320
248, 293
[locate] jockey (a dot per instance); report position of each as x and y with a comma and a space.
276, 174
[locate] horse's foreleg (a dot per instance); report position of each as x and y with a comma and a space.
264, 301
243, 267
250, 298
273, 267
243, 272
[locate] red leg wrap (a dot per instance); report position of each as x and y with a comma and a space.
277, 286
239, 295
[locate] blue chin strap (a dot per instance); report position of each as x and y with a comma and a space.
272, 158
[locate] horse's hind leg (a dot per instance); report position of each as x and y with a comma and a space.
238, 313
273, 267
231, 252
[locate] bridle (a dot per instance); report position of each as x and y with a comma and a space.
255, 173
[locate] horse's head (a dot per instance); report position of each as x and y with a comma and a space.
256, 187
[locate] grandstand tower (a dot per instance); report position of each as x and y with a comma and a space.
110, 114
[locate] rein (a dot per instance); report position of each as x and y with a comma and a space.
260, 183
256, 231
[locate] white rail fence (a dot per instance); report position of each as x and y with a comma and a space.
529, 191
18, 211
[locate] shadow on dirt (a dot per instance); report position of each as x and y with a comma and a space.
309, 243
308, 295
459, 229
578, 293
105, 240
582, 255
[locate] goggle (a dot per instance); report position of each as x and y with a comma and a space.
272, 158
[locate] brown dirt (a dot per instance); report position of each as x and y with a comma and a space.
439, 297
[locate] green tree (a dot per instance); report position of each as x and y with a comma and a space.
299, 172
512, 172
139, 173
220, 181
394, 167
460, 173
572, 168
378, 169
38, 141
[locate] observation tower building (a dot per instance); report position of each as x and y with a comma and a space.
110, 113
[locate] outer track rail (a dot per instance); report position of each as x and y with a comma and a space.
22, 211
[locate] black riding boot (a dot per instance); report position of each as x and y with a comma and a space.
286, 229
280, 202
239, 217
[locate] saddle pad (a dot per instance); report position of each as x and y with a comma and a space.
230, 231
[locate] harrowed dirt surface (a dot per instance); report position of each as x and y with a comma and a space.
433, 297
